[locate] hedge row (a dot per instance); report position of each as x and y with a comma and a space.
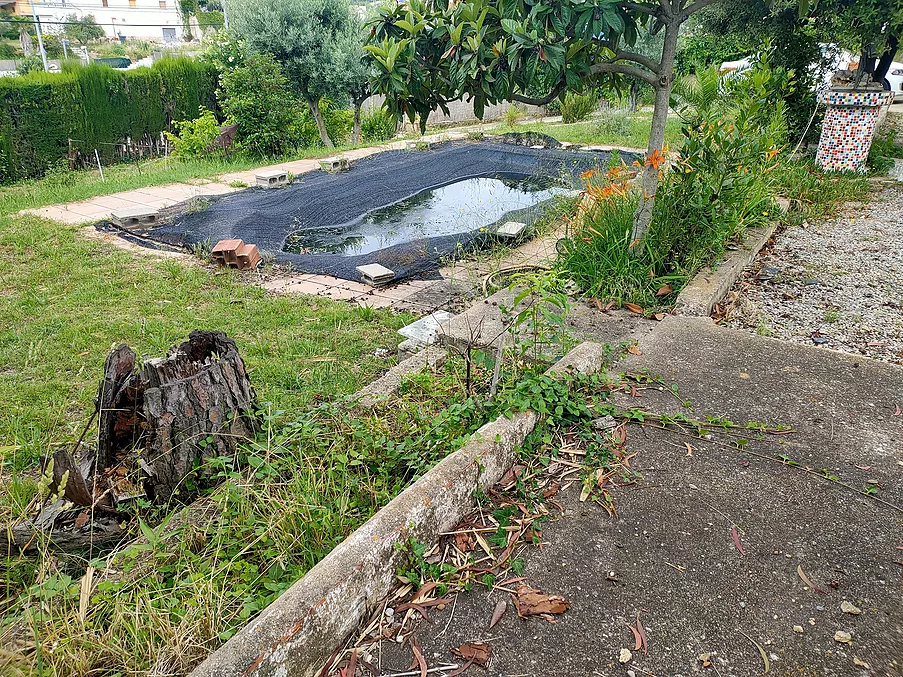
96, 105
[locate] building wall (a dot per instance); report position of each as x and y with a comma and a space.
144, 19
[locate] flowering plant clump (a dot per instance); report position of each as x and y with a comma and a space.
225, 51
715, 187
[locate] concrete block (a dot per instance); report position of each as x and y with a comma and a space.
409, 348
710, 285
135, 217
375, 275
274, 178
384, 388
423, 332
511, 230
334, 165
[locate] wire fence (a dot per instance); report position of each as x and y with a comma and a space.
83, 153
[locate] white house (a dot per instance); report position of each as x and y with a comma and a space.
156, 20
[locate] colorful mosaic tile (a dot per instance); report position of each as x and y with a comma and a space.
848, 129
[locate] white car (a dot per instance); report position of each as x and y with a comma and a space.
893, 82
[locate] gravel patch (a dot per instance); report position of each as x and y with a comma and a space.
836, 284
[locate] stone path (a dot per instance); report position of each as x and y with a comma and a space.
836, 284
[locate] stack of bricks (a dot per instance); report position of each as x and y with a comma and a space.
236, 254
848, 128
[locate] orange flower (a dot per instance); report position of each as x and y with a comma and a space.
588, 174
770, 154
656, 159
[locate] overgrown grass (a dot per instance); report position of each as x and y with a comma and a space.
298, 491
599, 132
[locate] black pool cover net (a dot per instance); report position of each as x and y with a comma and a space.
317, 200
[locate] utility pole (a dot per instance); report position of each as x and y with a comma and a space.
37, 27
225, 16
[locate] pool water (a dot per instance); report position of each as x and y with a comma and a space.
458, 207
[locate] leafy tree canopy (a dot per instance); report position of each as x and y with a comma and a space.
308, 37
82, 29
429, 53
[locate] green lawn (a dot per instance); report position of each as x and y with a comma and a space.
598, 131
65, 300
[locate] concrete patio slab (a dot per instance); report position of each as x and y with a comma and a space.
671, 556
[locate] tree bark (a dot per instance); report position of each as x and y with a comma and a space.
197, 405
314, 106
356, 129
642, 217
155, 427
633, 95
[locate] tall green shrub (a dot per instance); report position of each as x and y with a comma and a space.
37, 116
98, 107
258, 98
188, 85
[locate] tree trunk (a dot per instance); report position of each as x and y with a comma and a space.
314, 106
886, 59
642, 217
634, 95
356, 129
196, 405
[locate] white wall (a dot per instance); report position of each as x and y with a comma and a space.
146, 20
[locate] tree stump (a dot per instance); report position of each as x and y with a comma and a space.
176, 411
156, 425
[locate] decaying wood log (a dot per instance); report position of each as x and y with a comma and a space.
156, 424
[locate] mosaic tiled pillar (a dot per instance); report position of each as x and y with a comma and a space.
848, 129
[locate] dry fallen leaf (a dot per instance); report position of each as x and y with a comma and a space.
634, 308
805, 579
664, 290
705, 659
689, 448
634, 350
81, 520
475, 652
659, 317
761, 652
735, 535
897, 410
464, 542
642, 632
419, 660
531, 602
498, 612
637, 640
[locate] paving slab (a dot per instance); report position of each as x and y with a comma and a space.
670, 554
